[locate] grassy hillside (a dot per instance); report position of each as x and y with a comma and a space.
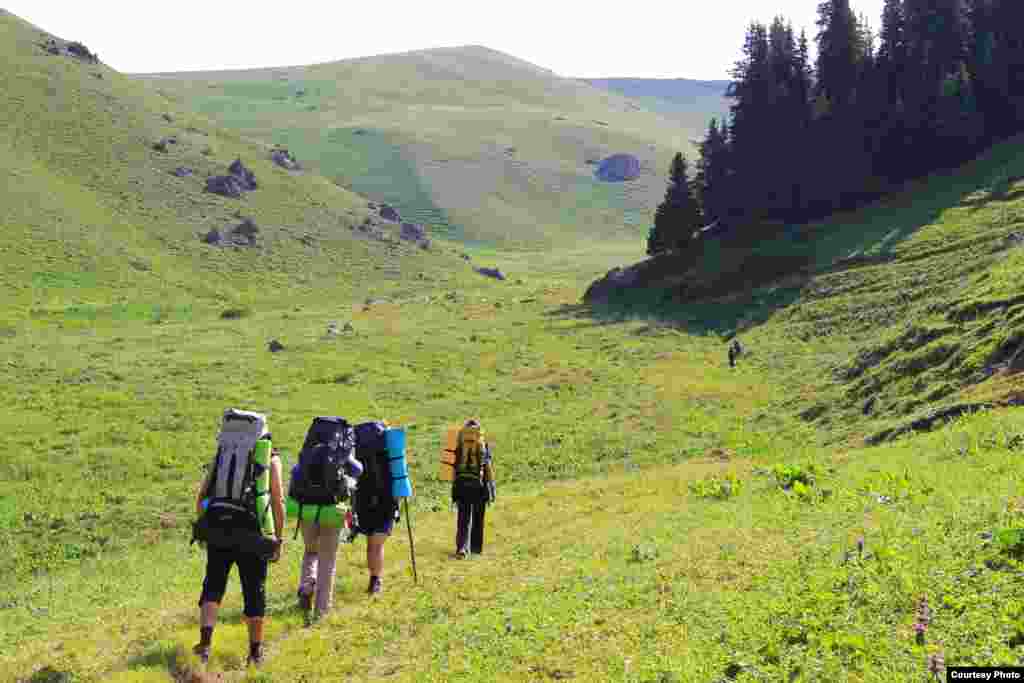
895, 313
484, 146
693, 103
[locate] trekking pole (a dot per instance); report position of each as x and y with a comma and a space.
412, 547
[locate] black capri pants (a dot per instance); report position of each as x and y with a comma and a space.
252, 570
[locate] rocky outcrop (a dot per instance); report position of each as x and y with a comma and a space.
283, 158
240, 180
224, 185
618, 168
389, 213
491, 272
242, 235
414, 232
74, 49
246, 178
182, 172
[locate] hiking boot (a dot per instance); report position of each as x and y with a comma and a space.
305, 601
255, 657
375, 585
461, 555
203, 652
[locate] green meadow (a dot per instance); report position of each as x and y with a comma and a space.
660, 516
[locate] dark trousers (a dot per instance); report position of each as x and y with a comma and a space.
252, 570
470, 526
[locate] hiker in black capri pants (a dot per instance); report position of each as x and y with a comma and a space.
472, 489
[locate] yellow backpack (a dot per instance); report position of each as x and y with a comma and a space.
463, 451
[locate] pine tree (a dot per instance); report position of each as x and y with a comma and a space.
839, 52
677, 217
711, 185
753, 91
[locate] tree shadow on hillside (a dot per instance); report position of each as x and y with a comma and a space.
659, 309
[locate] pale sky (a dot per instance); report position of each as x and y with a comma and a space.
574, 38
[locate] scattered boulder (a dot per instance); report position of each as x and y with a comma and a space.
182, 171
600, 123
619, 168
371, 230
510, 150
240, 180
413, 232
371, 205
168, 118
283, 158
465, 256
213, 237
359, 131
74, 49
224, 185
274, 346
246, 230
389, 213
245, 177
491, 272
162, 145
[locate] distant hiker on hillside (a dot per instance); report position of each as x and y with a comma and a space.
321, 488
472, 489
376, 507
734, 352
234, 505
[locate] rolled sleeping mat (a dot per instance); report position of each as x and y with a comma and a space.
261, 457
330, 515
446, 467
401, 487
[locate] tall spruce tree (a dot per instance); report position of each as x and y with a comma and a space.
711, 185
839, 52
753, 92
678, 216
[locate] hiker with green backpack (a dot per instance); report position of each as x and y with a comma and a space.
241, 517
320, 490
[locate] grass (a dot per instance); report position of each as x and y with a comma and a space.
660, 516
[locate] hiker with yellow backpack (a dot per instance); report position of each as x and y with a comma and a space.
467, 463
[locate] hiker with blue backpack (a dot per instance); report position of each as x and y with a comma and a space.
321, 489
241, 514
376, 508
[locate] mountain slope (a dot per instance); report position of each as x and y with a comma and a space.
92, 212
691, 102
481, 144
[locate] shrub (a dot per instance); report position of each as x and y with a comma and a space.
718, 488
